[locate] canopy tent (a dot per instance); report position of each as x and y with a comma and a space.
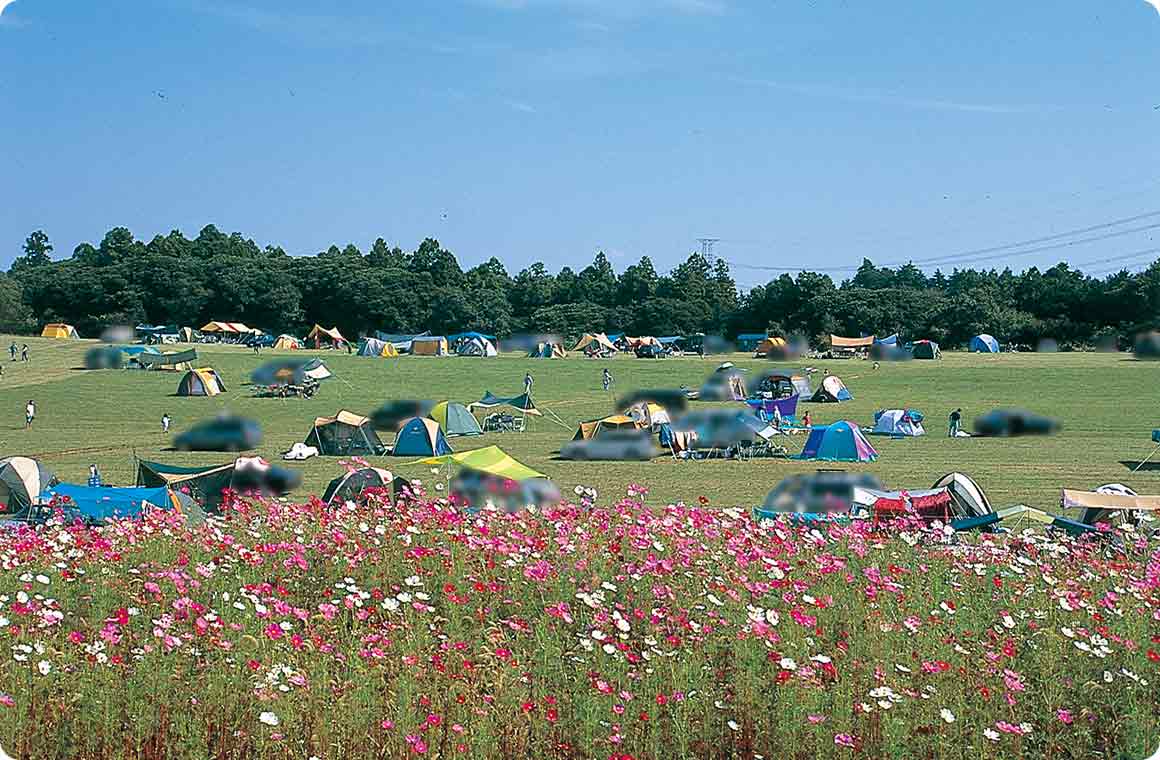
786, 406
455, 419
429, 345
672, 341
420, 437
376, 347
522, 402
22, 480
832, 391
345, 434
287, 343
967, 498
842, 441
172, 361
201, 382
97, 504
612, 423
491, 460
476, 345
59, 330
203, 484
772, 347
320, 336
898, 423
236, 328
1113, 504
889, 340
594, 343
548, 351
984, 344
926, 349
350, 486
847, 345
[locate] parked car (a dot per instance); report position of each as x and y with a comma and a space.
614, 445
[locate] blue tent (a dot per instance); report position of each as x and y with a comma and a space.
97, 504
984, 344
421, 437
891, 340
748, 341
843, 441
458, 336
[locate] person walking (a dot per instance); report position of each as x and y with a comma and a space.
12, 350
24, 353
165, 420
807, 421
29, 413
606, 379
954, 423
94, 476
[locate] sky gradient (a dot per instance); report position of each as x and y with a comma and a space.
803, 134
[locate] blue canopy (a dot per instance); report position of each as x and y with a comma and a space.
671, 339
457, 336
97, 504
891, 340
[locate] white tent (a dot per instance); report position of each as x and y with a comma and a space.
476, 346
898, 422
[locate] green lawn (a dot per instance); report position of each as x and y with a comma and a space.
1107, 403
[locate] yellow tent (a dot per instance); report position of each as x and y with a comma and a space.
772, 347
597, 428
59, 330
429, 345
287, 342
492, 460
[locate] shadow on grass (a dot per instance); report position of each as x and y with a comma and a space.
1132, 464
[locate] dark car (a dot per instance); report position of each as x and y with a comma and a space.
220, 434
651, 352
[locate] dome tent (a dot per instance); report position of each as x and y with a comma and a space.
898, 423
21, 481
832, 391
984, 344
843, 441
350, 485
201, 382
421, 437
345, 434
454, 419
926, 349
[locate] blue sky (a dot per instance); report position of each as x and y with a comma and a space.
800, 132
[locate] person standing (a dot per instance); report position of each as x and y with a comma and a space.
776, 417
954, 423
606, 379
807, 420
24, 353
29, 413
528, 384
12, 350
94, 476
165, 420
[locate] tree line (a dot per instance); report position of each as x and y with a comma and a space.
176, 280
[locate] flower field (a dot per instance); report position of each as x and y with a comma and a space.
595, 630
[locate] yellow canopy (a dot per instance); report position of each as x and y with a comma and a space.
837, 341
491, 459
600, 339
319, 332
1090, 500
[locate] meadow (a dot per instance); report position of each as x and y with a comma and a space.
655, 619
1106, 402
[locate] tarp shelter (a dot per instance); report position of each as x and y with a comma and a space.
967, 498
419, 437
345, 434
643, 340
201, 382
772, 348
59, 330
429, 345
319, 336
234, 328
984, 344
522, 402
1147, 346
455, 419
926, 349
610, 424
376, 347
842, 441
476, 345
287, 343
203, 484
889, 340
832, 390
1114, 504
22, 480
350, 486
401, 342
548, 351
492, 460
851, 345
96, 504
156, 360
898, 423
594, 343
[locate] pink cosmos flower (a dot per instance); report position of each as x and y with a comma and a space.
844, 740
1064, 716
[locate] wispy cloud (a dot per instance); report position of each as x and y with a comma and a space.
310, 28
613, 8
517, 105
889, 98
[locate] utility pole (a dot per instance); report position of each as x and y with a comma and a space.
707, 249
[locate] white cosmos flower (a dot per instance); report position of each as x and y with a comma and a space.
269, 718
946, 715
44, 666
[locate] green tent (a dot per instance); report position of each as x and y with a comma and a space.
455, 420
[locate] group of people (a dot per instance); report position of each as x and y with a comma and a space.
23, 352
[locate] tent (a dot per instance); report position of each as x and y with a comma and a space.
204, 484
21, 481
156, 360
287, 343
787, 406
345, 434
429, 345
926, 349
234, 328
967, 498
841, 441
929, 503
59, 330
350, 486
376, 347
832, 390
597, 343
492, 460
96, 504
612, 423
648, 414
772, 348
841, 345
547, 351
287, 371
898, 423
104, 357
781, 383
421, 437
476, 345
749, 341
522, 402
889, 340
201, 382
455, 420
984, 344
1113, 504
320, 336
401, 342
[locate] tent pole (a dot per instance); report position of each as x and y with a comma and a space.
1145, 460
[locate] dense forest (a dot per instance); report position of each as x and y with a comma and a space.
175, 280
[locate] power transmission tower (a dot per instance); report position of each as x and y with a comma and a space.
707, 249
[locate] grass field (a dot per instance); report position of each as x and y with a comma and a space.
1107, 403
